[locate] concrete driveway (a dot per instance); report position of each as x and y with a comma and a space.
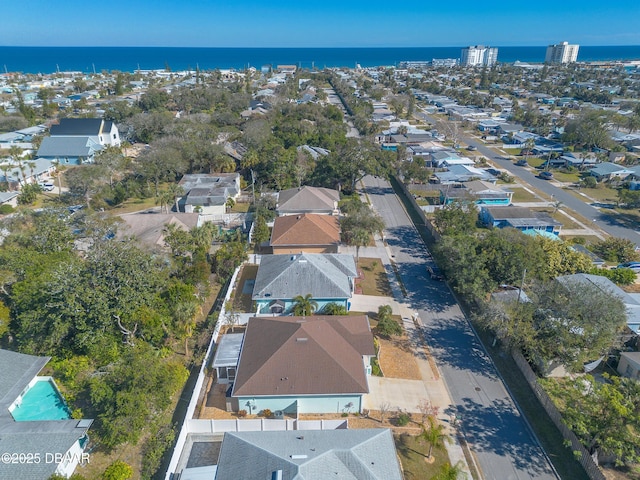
398, 393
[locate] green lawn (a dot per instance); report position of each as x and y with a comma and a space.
522, 195
601, 193
412, 453
566, 177
134, 205
375, 281
535, 162
240, 208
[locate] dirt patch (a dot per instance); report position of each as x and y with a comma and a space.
397, 360
244, 289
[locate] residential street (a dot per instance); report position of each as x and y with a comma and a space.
494, 429
604, 220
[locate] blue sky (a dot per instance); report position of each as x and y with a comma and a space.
329, 23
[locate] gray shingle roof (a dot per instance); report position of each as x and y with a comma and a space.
363, 454
286, 276
209, 189
68, 147
606, 168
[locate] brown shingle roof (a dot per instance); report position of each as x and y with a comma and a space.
306, 229
304, 356
307, 199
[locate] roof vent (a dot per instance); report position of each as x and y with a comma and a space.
293, 257
301, 339
298, 457
276, 475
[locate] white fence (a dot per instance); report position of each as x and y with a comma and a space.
182, 436
261, 425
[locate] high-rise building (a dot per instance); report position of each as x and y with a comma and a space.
561, 53
478, 55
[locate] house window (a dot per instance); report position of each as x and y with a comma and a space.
629, 371
114, 136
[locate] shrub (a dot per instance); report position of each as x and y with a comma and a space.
118, 470
242, 413
266, 413
5, 209
403, 419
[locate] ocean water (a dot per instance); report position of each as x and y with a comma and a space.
129, 59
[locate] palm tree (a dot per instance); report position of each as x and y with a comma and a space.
449, 472
304, 306
360, 238
434, 435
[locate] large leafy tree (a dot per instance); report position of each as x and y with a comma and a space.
604, 415
576, 322
359, 224
456, 218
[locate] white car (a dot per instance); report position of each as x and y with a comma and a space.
46, 186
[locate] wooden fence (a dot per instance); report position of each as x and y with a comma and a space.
585, 459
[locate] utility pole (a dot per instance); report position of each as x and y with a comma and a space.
253, 187
524, 273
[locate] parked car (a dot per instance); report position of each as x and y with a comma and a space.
46, 186
435, 273
494, 171
472, 148
635, 266
522, 163
546, 175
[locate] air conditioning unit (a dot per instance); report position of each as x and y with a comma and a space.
278, 414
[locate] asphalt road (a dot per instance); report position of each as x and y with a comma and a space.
497, 434
609, 222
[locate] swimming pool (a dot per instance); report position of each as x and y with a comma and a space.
42, 401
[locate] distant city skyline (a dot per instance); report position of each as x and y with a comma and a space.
202, 23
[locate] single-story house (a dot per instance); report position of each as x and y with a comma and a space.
329, 278
488, 126
288, 455
103, 132
609, 171
308, 233
208, 193
520, 218
445, 158
316, 364
595, 259
9, 198
35, 423
509, 128
477, 191
463, 173
69, 150
296, 201
579, 160
150, 228
632, 305
629, 365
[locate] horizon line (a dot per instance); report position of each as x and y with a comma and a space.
304, 48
